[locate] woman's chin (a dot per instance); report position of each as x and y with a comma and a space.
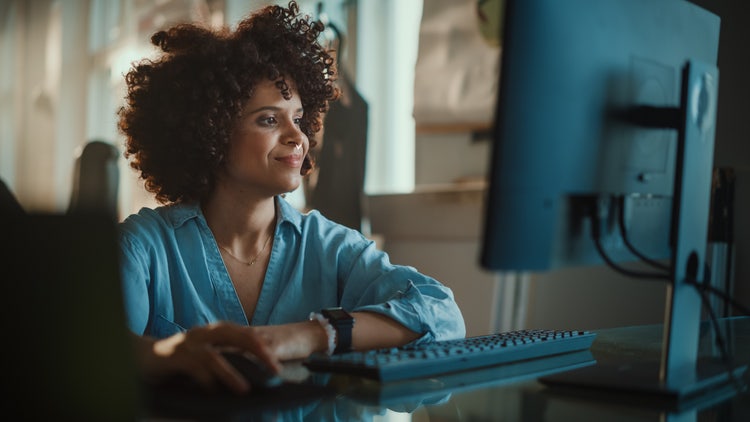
291, 186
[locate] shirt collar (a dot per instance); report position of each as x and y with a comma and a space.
286, 213
182, 212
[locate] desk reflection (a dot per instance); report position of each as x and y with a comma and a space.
502, 393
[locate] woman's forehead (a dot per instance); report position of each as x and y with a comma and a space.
269, 91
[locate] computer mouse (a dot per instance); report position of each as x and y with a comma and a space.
255, 372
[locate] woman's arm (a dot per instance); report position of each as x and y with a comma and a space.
397, 299
197, 352
299, 340
374, 331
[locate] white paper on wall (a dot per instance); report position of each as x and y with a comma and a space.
457, 69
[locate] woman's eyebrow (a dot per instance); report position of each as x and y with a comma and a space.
274, 108
265, 108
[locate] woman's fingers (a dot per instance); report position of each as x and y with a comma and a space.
209, 340
227, 374
247, 339
197, 352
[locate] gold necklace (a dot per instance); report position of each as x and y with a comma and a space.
251, 263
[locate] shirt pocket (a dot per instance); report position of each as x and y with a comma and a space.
163, 327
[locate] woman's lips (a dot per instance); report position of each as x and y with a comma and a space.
292, 160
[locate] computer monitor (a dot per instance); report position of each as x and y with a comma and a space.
603, 150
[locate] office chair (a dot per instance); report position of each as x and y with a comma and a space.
95, 180
9, 205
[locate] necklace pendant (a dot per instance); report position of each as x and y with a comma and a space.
251, 263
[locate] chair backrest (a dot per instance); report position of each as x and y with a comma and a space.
9, 205
95, 180
70, 356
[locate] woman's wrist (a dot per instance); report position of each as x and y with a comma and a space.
328, 343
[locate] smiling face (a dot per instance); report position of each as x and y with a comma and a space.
267, 147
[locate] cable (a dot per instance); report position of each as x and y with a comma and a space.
738, 384
728, 299
626, 271
595, 235
624, 234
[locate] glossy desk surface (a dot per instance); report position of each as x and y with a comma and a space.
504, 393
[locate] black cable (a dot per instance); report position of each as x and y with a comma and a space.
738, 384
624, 235
714, 323
595, 235
626, 271
728, 299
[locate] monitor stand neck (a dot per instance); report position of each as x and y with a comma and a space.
679, 369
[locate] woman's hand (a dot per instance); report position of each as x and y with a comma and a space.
196, 352
292, 341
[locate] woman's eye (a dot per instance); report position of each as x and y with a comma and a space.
267, 121
298, 121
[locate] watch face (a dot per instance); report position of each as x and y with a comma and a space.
337, 313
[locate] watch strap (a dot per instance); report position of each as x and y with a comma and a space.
343, 323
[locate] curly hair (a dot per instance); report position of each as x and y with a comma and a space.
181, 107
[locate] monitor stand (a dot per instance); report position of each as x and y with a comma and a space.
680, 379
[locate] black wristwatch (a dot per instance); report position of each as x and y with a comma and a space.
343, 323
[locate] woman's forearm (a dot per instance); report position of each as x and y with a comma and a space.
373, 331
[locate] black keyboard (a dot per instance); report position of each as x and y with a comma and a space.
449, 356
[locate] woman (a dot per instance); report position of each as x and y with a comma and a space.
219, 127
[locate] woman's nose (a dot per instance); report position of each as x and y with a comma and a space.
295, 136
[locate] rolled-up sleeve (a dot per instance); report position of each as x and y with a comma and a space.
402, 293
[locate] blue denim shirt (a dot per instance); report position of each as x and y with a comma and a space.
174, 277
